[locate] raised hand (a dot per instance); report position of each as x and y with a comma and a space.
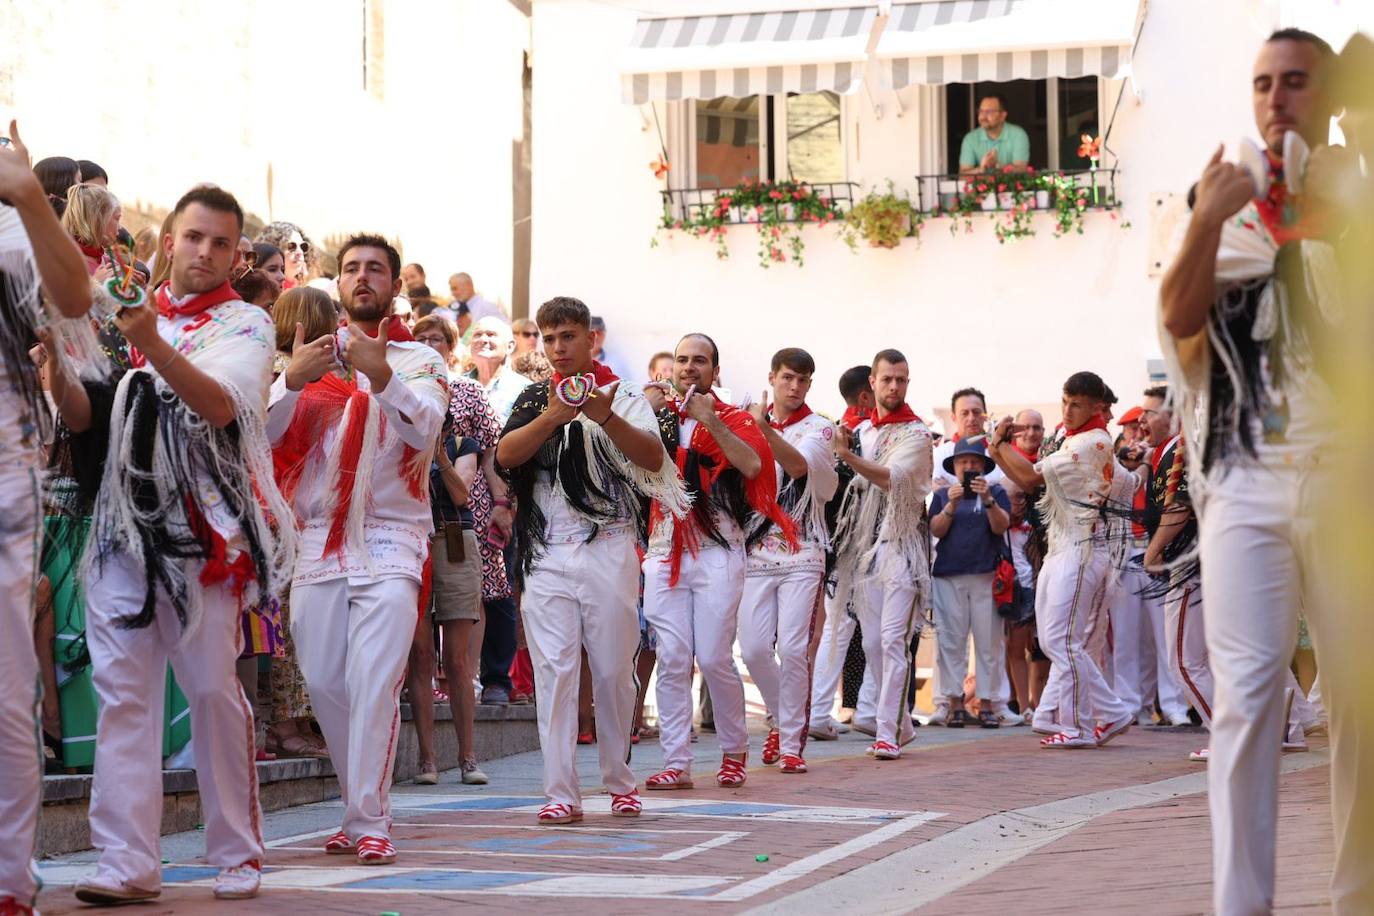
309, 361
1223, 190
597, 407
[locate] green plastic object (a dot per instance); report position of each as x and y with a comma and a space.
761, 857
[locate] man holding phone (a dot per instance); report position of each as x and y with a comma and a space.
969, 518
354, 451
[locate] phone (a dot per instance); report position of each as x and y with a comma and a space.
968, 481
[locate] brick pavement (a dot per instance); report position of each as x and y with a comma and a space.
695, 851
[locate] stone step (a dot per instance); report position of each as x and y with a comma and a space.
498, 731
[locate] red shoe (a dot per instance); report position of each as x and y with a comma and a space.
558, 813
587, 738
671, 778
338, 845
882, 750
731, 774
261, 757
792, 763
771, 750
11, 907
627, 805
376, 850
1105, 733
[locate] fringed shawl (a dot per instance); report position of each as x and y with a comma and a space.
804, 499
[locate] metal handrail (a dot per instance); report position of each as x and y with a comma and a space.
687, 203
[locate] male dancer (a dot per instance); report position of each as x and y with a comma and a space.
839, 626
694, 567
1245, 336
782, 584
582, 454
188, 529
353, 440
1077, 478
34, 251
883, 542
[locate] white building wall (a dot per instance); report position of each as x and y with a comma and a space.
165, 95
1014, 319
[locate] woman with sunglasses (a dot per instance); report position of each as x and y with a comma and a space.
300, 256
526, 336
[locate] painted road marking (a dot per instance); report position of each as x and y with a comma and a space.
567, 842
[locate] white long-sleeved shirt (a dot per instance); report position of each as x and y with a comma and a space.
397, 525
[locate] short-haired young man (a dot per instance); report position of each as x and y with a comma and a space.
1077, 479
34, 251
581, 455
694, 566
883, 542
840, 624
188, 529
783, 583
353, 439
1244, 340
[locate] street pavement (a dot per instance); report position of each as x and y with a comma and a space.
968, 821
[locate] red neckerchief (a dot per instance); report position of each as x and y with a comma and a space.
1095, 423
1158, 455
1286, 216
396, 330
603, 373
1025, 454
91, 251
801, 413
903, 414
196, 304
853, 416
761, 493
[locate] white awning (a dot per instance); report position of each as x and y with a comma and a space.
969, 41
741, 54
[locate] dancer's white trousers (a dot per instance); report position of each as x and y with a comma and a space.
1065, 619
697, 619
20, 689
130, 674
887, 617
583, 595
775, 619
352, 645
1185, 635
825, 679
1140, 656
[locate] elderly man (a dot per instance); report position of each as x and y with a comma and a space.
466, 301
490, 346
994, 144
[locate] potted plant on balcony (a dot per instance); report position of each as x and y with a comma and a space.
881, 219
973, 198
1070, 201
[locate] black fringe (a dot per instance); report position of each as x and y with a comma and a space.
18, 334
727, 493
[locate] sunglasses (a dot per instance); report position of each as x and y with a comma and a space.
303, 246
529, 334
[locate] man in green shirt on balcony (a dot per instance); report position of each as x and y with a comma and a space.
994, 144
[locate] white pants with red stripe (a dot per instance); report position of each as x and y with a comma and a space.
130, 674
825, 679
352, 644
20, 689
1186, 637
583, 595
775, 619
887, 616
1141, 666
1066, 622
697, 619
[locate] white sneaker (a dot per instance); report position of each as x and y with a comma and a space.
1145, 717
939, 717
1180, 721
1201, 755
1006, 717
472, 774
825, 731
104, 889
240, 882
865, 726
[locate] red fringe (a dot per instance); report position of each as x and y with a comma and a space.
350, 451
426, 584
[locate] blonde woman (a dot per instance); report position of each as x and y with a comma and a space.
92, 218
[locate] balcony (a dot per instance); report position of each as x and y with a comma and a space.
759, 202
942, 195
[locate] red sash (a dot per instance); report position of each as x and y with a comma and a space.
800, 414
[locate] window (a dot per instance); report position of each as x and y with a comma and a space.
1053, 112
796, 136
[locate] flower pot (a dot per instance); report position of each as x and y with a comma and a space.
1042, 200
1006, 200
735, 215
990, 202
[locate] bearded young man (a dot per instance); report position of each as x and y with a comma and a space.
582, 453
35, 252
353, 439
782, 583
1077, 478
883, 542
188, 529
1250, 308
694, 566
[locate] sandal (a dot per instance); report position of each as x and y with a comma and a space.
671, 778
792, 763
731, 774
1105, 733
957, 719
627, 805
1061, 741
298, 746
338, 845
376, 850
558, 813
988, 719
772, 749
882, 750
